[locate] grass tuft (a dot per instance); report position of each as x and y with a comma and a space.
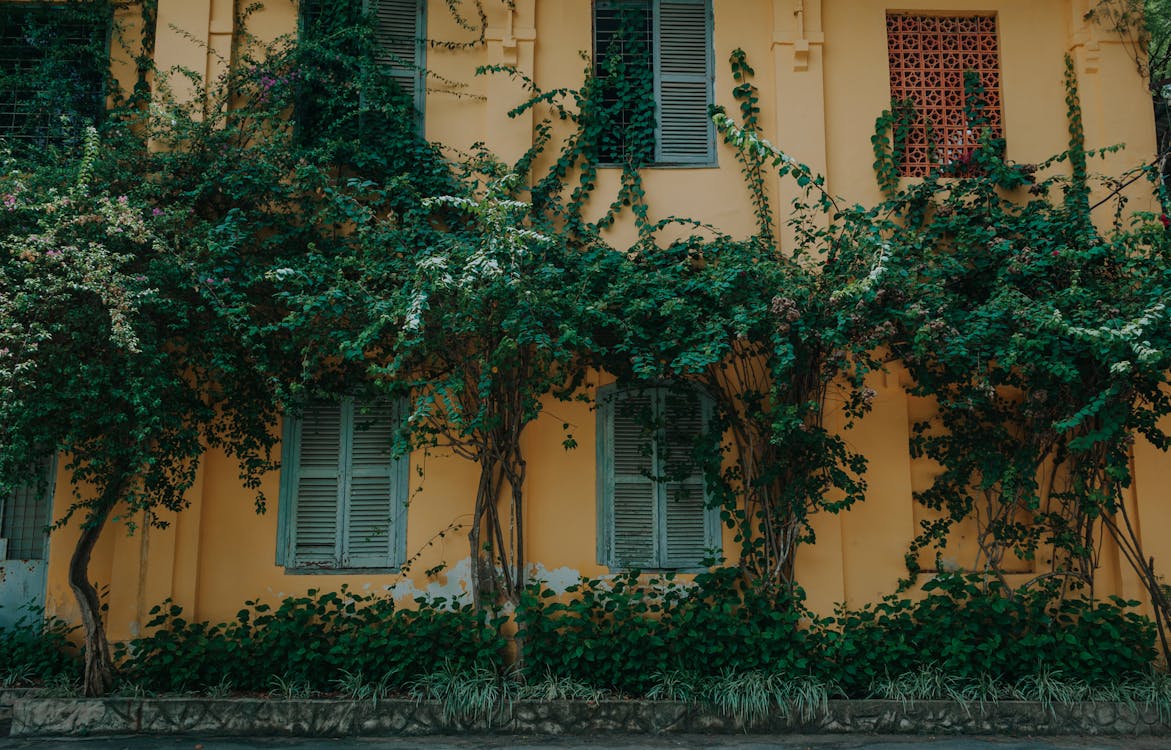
467, 695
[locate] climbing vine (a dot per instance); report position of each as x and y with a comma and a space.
889, 143
1036, 334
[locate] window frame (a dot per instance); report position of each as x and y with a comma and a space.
607, 399
710, 158
286, 548
42, 493
932, 143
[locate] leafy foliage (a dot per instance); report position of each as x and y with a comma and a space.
618, 634
663, 637
313, 641
967, 632
477, 331
1037, 331
35, 651
139, 321
714, 639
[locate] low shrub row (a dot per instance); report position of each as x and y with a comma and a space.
311, 643
657, 636
624, 634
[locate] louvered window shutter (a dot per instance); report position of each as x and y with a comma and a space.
368, 539
399, 35
682, 498
631, 486
683, 82
652, 501
318, 486
342, 488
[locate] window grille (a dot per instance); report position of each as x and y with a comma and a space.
51, 73
930, 57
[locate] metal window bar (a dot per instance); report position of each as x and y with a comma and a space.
623, 35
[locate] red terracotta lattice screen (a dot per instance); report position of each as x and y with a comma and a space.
929, 56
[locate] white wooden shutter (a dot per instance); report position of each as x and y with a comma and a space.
369, 513
318, 486
633, 490
682, 498
683, 82
398, 34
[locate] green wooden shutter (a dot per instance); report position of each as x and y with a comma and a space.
630, 483
683, 501
683, 82
401, 44
318, 486
652, 497
368, 540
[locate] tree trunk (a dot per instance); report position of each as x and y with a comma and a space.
477, 574
99, 667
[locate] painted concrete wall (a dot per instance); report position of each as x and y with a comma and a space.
821, 69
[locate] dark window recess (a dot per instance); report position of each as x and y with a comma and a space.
25, 515
52, 73
623, 65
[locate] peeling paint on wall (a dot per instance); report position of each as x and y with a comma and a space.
456, 585
557, 580
455, 582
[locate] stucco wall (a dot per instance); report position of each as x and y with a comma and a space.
821, 70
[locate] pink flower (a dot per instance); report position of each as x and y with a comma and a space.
156, 212
10, 201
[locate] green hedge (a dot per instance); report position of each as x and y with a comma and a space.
966, 630
623, 634
311, 641
628, 634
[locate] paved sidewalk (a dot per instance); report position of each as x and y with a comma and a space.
616, 742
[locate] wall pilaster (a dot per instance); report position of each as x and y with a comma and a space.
799, 97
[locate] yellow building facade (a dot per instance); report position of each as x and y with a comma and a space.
823, 68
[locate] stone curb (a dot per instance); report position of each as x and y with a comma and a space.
42, 717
